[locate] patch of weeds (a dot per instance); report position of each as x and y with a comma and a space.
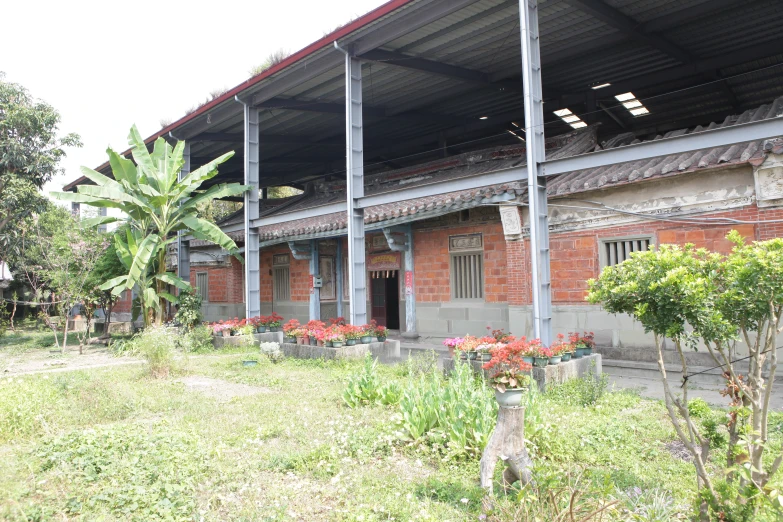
131, 472
418, 364
451, 491
366, 387
319, 461
584, 391
197, 340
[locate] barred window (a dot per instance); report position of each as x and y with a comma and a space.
202, 286
615, 251
467, 266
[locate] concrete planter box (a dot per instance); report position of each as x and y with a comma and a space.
236, 340
388, 349
119, 327
551, 374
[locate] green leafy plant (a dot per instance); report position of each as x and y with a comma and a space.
189, 308
156, 345
690, 295
157, 205
197, 340
366, 387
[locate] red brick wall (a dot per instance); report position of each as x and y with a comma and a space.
574, 255
123, 306
431, 262
299, 271
225, 283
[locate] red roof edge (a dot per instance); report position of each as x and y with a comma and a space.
375, 14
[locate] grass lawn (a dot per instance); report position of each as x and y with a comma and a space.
217, 440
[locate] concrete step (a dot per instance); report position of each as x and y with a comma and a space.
705, 375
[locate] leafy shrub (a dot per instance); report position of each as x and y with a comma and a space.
655, 505
584, 391
189, 309
454, 416
366, 387
156, 345
699, 408
129, 471
417, 364
197, 340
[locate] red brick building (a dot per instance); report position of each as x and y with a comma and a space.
470, 249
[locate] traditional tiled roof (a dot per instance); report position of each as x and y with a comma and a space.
498, 158
622, 173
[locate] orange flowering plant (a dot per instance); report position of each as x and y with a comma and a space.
507, 368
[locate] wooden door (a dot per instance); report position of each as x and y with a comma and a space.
378, 297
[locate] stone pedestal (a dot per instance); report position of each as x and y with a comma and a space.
237, 340
119, 327
552, 374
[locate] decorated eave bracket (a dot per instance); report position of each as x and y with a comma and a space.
397, 239
301, 250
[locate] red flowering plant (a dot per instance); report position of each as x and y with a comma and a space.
352, 332
339, 321
381, 331
501, 336
274, 320
314, 327
586, 340
507, 369
560, 347
293, 328
333, 333
371, 328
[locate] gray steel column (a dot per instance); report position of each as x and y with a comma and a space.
357, 270
339, 272
536, 185
410, 287
252, 255
183, 247
315, 293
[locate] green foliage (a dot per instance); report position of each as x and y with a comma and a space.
189, 309
130, 472
157, 205
197, 340
30, 153
699, 408
273, 59
653, 505
367, 388
156, 345
453, 416
584, 391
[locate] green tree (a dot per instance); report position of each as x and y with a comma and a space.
695, 297
107, 267
156, 206
30, 153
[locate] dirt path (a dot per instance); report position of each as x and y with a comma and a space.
40, 361
219, 389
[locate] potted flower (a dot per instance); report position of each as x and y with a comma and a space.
453, 344
502, 336
588, 341
484, 351
334, 336
380, 333
313, 329
261, 322
274, 322
561, 350
469, 345
509, 373
352, 334
290, 330
541, 356
368, 332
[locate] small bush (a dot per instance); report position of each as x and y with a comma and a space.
699, 408
156, 345
197, 340
189, 309
366, 387
584, 391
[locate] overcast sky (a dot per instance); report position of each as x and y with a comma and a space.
107, 64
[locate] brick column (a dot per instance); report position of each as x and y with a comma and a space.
517, 272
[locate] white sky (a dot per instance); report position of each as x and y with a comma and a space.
106, 64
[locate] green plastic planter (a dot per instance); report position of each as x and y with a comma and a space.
540, 362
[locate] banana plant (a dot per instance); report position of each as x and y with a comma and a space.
156, 205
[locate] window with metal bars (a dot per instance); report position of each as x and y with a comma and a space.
615, 251
467, 275
281, 283
202, 286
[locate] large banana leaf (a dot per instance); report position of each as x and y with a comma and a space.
117, 282
141, 261
171, 279
205, 172
140, 154
203, 229
122, 168
109, 193
100, 220
215, 192
75, 197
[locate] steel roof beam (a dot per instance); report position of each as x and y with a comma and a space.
630, 27
468, 76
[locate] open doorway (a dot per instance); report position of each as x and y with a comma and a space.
385, 296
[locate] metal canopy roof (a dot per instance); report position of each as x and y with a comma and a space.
446, 75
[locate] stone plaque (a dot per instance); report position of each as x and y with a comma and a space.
280, 259
466, 242
769, 181
512, 225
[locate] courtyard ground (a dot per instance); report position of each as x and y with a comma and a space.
218, 440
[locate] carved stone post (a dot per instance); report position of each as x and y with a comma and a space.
507, 443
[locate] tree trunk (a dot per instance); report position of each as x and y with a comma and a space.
13, 312
507, 443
